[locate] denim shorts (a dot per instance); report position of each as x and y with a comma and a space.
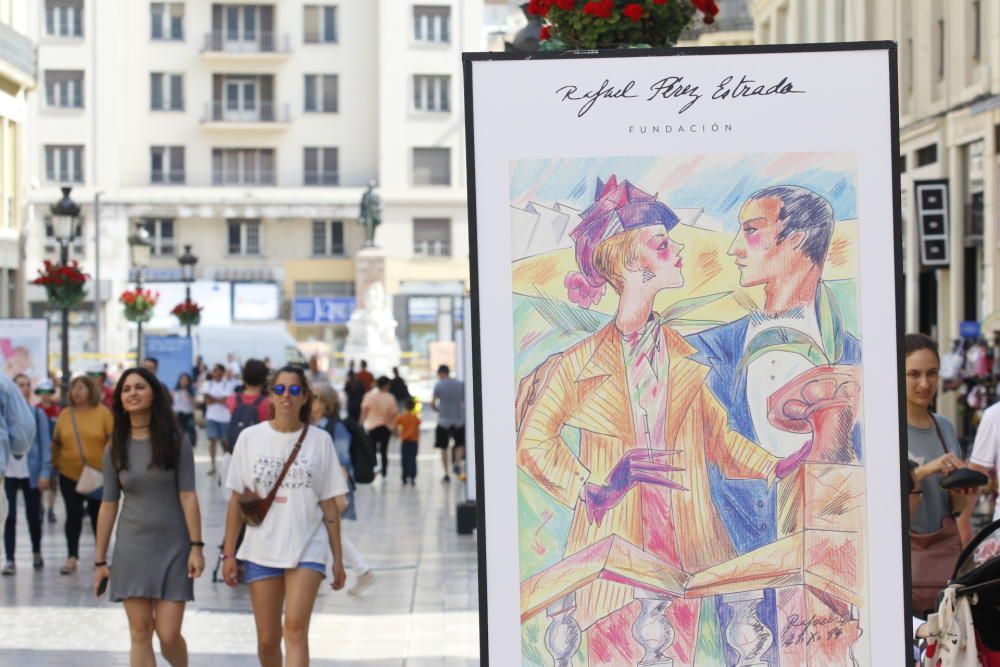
217, 430
254, 572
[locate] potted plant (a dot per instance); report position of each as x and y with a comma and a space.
64, 284
139, 304
597, 24
188, 313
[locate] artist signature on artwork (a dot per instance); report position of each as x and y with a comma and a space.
814, 629
675, 88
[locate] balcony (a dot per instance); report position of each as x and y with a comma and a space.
18, 52
263, 115
432, 248
320, 178
244, 177
167, 177
224, 45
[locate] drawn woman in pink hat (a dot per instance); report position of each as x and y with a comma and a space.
649, 430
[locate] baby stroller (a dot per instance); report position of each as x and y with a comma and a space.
965, 631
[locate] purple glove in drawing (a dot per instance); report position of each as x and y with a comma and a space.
635, 467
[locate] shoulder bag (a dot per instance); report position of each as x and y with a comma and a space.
91, 480
253, 507
933, 555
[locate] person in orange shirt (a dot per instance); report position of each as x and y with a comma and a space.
408, 427
365, 377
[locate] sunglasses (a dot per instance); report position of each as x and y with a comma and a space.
293, 389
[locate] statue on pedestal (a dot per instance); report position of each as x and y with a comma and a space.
371, 214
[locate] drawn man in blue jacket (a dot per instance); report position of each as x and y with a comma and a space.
782, 243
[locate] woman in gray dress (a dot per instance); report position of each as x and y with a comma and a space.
158, 550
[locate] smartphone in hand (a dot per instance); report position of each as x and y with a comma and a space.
102, 587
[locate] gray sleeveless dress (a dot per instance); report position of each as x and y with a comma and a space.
152, 545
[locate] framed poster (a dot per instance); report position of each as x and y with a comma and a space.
175, 355
687, 331
24, 346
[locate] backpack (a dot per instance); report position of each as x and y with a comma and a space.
362, 456
245, 414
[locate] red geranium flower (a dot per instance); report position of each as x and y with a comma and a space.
539, 7
708, 8
633, 11
544, 34
601, 9
566, 5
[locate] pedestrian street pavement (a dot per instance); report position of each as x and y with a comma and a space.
422, 610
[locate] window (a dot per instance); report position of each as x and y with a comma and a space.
64, 18
328, 237
161, 235
430, 92
247, 28
64, 89
432, 166
927, 155
244, 237
940, 54
321, 92
432, 24
432, 237
243, 166
64, 164
243, 98
166, 21
52, 245
320, 166
320, 24
902, 164
977, 30
166, 164
166, 92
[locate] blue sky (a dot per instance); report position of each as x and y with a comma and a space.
718, 183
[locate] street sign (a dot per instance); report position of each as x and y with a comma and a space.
932, 222
323, 309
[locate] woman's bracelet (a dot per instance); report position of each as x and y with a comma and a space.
102, 563
196, 543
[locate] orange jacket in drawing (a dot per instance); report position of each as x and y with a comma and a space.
585, 388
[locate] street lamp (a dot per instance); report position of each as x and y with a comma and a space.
187, 262
141, 251
64, 215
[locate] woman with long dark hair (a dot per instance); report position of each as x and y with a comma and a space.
285, 555
158, 550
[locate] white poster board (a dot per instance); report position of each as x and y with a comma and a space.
686, 345
24, 346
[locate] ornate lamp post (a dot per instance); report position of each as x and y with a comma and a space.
141, 251
187, 262
64, 215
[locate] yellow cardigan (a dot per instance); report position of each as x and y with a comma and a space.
95, 425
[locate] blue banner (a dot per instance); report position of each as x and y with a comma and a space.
969, 329
175, 354
323, 309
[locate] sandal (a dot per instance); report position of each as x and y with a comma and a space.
69, 567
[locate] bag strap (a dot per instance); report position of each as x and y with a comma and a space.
288, 464
260, 399
76, 435
940, 435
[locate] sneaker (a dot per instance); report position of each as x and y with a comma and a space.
455, 468
52, 515
363, 582
447, 478
8, 569
69, 567
37, 562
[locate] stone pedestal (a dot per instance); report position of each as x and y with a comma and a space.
369, 269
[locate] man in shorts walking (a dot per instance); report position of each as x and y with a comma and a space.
449, 403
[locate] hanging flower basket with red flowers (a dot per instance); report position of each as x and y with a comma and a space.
188, 313
596, 24
139, 304
64, 285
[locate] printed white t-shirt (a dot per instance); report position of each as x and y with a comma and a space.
293, 530
986, 449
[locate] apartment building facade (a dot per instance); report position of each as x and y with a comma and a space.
17, 80
250, 133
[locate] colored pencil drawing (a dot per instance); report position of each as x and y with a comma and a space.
690, 455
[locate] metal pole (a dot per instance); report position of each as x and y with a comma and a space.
64, 390
97, 271
187, 300
138, 341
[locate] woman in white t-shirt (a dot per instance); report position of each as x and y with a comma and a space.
285, 556
216, 392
